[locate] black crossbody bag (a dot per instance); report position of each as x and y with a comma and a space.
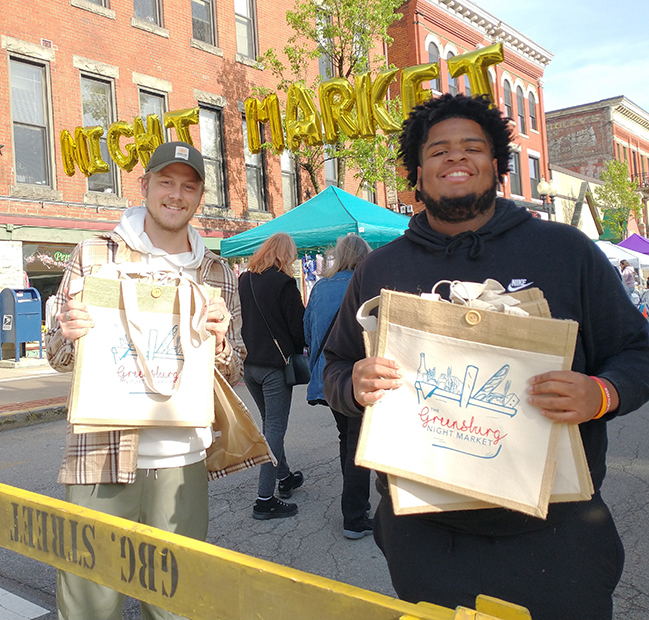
297, 365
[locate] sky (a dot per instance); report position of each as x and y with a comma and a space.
600, 47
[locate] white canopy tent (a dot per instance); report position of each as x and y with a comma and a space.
615, 254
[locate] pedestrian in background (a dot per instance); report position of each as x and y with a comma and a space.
628, 276
321, 313
272, 311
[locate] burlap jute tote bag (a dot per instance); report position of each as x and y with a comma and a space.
461, 422
238, 443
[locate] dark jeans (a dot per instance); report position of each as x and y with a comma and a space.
564, 572
356, 480
272, 395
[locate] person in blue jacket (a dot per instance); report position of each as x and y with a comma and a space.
321, 312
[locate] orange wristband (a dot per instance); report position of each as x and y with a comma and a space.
606, 398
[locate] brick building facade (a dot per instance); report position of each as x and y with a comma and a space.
584, 137
434, 30
80, 63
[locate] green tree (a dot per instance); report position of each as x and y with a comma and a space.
341, 35
618, 198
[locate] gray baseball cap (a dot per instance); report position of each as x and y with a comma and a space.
176, 153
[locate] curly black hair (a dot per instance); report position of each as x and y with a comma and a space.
437, 109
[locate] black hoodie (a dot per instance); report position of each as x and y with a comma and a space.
518, 251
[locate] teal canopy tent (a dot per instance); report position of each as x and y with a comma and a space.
317, 224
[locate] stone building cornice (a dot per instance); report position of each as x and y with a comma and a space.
615, 105
495, 29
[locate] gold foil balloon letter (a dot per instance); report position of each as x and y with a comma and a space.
115, 132
266, 111
474, 66
379, 90
84, 150
363, 92
336, 103
412, 93
308, 127
180, 120
149, 139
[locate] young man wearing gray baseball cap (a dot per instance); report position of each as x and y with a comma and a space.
156, 476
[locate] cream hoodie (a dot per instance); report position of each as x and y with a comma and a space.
166, 447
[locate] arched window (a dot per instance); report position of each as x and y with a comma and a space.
467, 86
507, 89
452, 82
520, 108
433, 56
531, 101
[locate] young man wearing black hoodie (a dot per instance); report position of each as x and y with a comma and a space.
455, 149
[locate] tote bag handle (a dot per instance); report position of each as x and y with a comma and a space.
192, 330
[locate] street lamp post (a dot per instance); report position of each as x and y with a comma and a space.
547, 190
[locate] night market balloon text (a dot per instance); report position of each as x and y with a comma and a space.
303, 122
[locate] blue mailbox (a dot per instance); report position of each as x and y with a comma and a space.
20, 310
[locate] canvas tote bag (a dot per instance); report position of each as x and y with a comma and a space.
461, 423
149, 361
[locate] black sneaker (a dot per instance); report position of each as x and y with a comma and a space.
273, 508
359, 532
289, 484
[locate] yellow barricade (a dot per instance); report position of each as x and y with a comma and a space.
196, 579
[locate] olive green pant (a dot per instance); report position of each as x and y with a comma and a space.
173, 499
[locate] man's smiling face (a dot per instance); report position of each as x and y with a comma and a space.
172, 197
457, 176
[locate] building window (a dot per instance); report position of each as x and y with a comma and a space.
244, 11
433, 56
153, 103
325, 64
368, 193
103, 3
203, 21
467, 86
520, 108
255, 174
330, 166
507, 91
619, 151
289, 180
29, 101
97, 102
148, 10
532, 103
212, 146
452, 82
515, 174
535, 175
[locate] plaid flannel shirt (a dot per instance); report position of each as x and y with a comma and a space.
111, 457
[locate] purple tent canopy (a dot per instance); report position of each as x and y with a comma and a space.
636, 242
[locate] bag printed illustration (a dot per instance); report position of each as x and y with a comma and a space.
461, 422
148, 361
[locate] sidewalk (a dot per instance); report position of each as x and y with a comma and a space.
30, 412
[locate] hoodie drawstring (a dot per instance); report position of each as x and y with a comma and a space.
477, 245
